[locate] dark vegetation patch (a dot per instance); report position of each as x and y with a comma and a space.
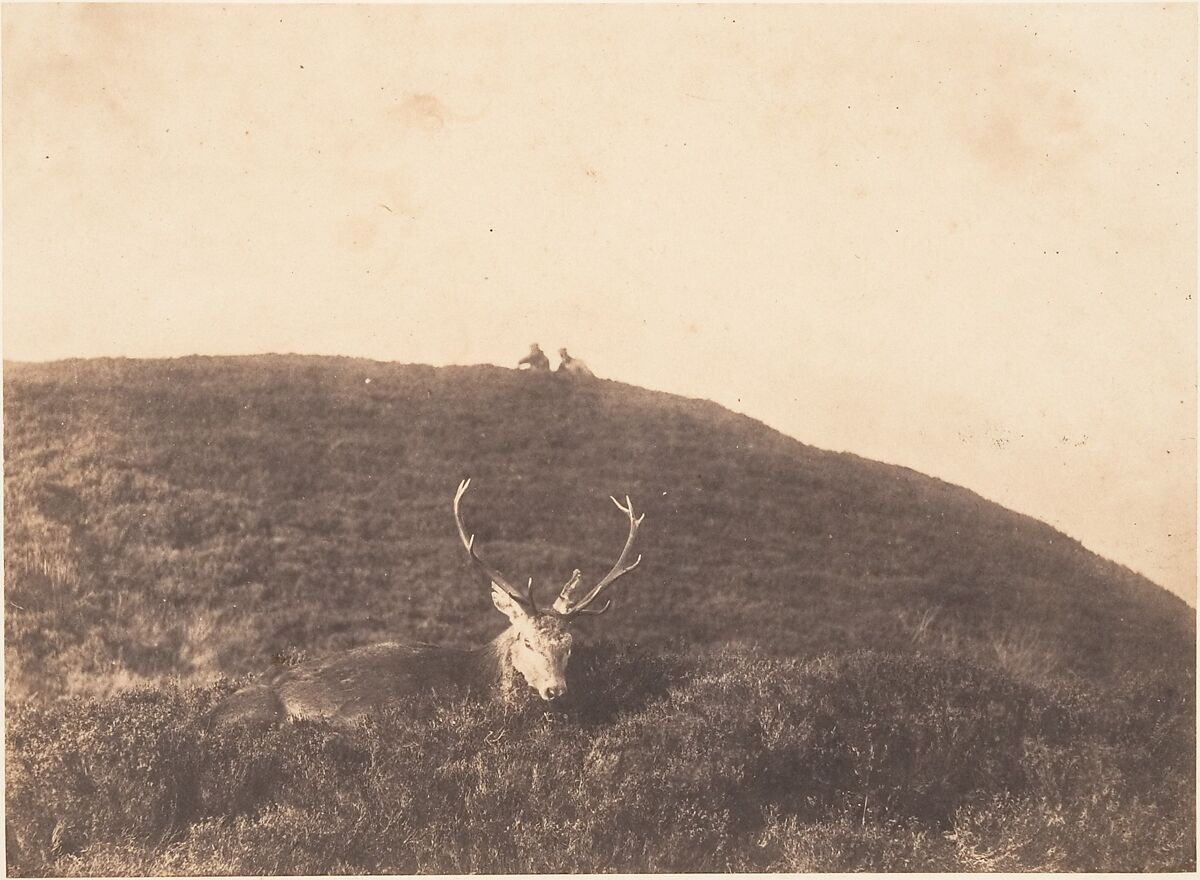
666, 763
1032, 705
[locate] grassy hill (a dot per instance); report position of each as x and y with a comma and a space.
171, 522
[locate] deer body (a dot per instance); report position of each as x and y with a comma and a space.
352, 683
531, 653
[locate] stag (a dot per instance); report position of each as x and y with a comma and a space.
533, 649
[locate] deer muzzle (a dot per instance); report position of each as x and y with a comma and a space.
553, 692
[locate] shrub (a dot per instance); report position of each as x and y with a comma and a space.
88, 771
664, 762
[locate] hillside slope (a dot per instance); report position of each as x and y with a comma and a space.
199, 516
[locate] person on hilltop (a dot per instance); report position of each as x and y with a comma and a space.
536, 361
573, 367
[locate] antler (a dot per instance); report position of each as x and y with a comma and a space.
565, 606
564, 595
523, 598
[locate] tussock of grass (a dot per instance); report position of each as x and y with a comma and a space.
672, 763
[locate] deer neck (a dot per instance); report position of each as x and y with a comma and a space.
492, 664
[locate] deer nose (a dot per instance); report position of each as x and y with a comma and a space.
553, 692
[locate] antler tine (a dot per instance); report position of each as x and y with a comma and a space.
619, 567
572, 582
627, 507
607, 604
525, 599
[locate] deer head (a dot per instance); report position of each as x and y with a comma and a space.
539, 639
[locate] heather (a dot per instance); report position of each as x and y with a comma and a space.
822, 663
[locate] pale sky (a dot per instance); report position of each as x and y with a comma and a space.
957, 238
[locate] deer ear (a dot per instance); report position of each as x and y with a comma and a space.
507, 605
